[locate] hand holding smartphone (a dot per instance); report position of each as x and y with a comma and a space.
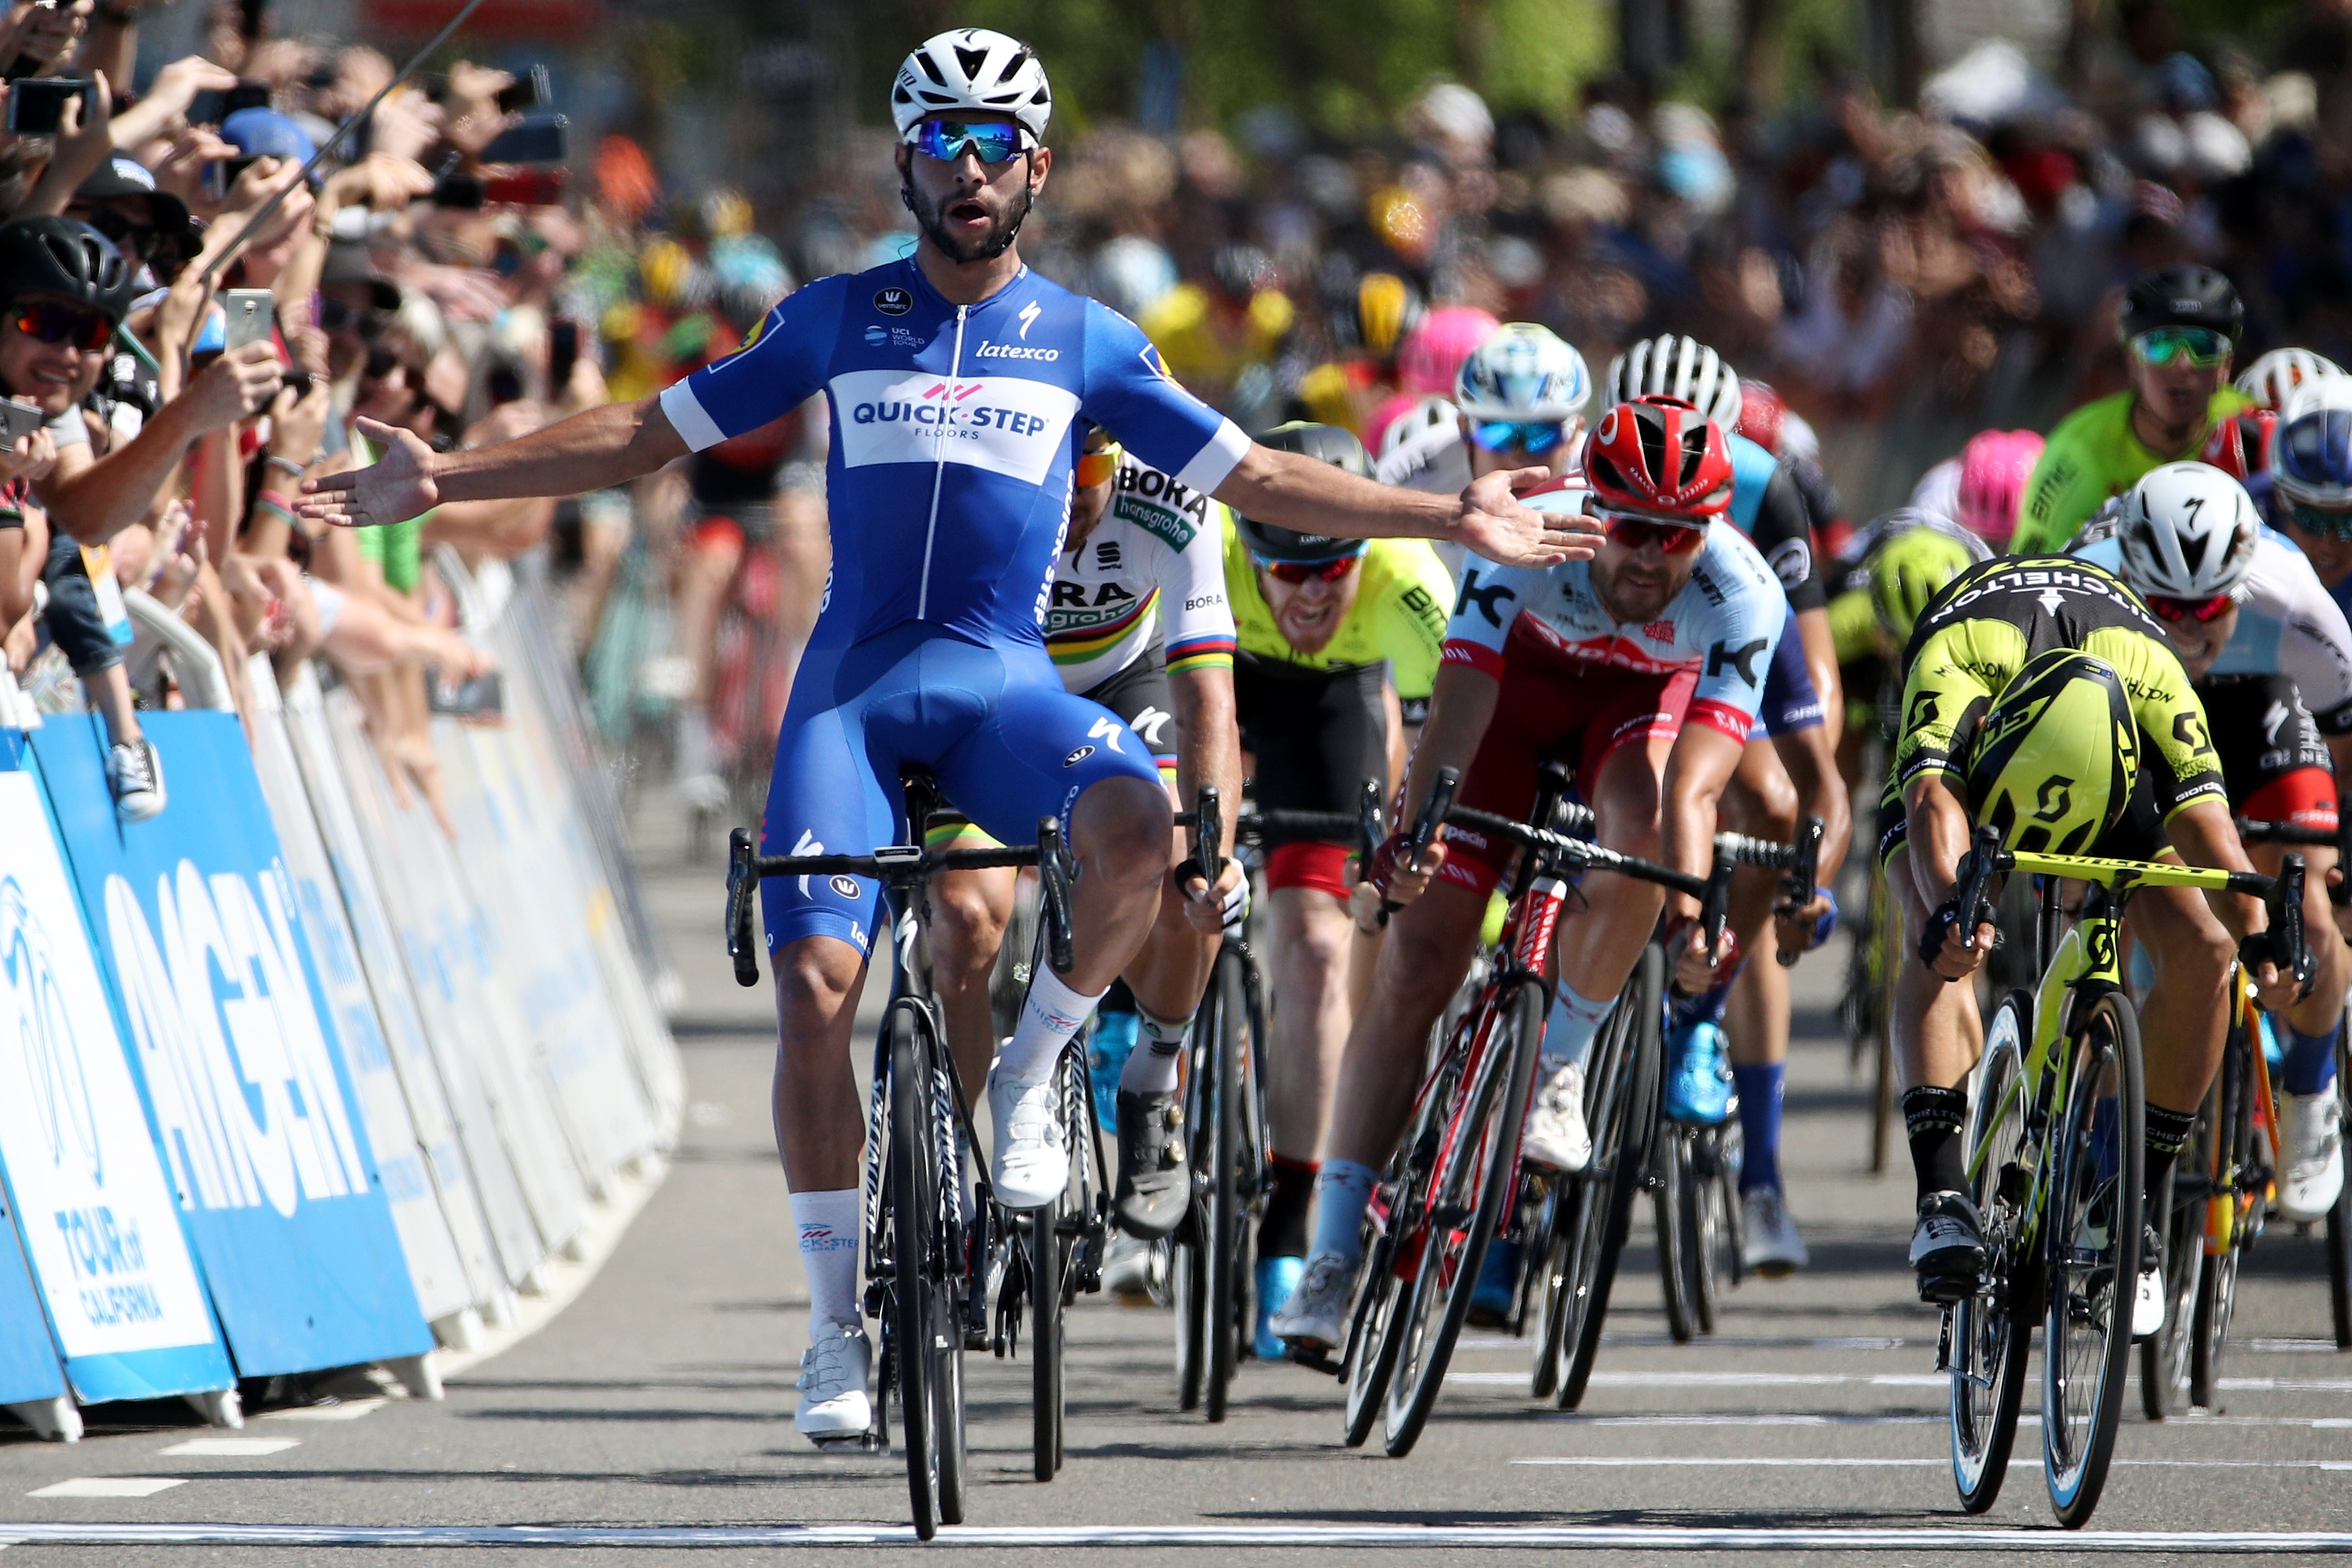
37, 105
251, 315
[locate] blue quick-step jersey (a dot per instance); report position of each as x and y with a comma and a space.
953, 437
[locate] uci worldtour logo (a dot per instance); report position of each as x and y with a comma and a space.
245, 1091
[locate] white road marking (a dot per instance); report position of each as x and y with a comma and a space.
1785, 1419
230, 1448
349, 1410
2293, 1385
1742, 1379
1720, 1342
1910, 1540
2284, 1346
104, 1486
1748, 1462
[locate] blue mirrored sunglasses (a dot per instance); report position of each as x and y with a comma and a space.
1504, 435
946, 140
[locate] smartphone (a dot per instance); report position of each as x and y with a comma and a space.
541, 138
18, 421
250, 317
562, 354
37, 105
484, 695
528, 187
528, 92
245, 95
462, 190
221, 177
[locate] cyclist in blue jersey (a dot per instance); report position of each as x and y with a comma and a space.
955, 379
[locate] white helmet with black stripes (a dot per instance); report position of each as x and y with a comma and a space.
973, 69
1672, 365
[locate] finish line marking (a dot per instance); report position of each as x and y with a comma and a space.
1912, 1540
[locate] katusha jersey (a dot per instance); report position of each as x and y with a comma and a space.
949, 477
1724, 625
1152, 571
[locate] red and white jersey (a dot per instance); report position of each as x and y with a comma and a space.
1724, 625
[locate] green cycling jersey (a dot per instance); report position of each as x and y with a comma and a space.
2092, 455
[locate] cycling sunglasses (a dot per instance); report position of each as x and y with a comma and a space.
1632, 530
2200, 610
2327, 525
1299, 571
2203, 346
1505, 435
63, 324
946, 140
1096, 468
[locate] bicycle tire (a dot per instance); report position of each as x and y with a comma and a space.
2339, 1222
1991, 1330
1625, 1123
2085, 1359
1188, 1246
1673, 1228
913, 1198
1053, 1239
2217, 1283
2165, 1360
1707, 1197
1224, 1239
1370, 1356
1549, 1286
1483, 1167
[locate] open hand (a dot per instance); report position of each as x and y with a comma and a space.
397, 486
1493, 524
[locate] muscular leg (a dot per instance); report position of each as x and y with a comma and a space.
2318, 1012
969, 910
2181, 1022
1120, 831
1937, 1033
820, 1125
1307, 987
1427, 952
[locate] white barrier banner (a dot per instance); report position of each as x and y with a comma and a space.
98, 1215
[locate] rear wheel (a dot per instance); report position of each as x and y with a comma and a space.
1993, 1331
2228, 1212
2165, 1361
1470, 1198
1711, 1221
2340, 1223
1622, 1088
2091, 1244
1226, 1240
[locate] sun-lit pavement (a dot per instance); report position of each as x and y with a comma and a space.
662, 1399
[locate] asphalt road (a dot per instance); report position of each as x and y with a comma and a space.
659, 1404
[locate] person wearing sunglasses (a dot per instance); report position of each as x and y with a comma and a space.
2271, 656
2310, 496
1340, 644
1138, 620
2180, 324
954, 376
1642, 669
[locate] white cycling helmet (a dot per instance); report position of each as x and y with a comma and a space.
1522, 374
2188, 531
2272, 379
1432, 418
973, 69
1677, 366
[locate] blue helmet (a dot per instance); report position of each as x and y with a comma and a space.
2311, 458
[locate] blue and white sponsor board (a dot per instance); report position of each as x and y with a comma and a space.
28, 1360
199, 923
100, 1229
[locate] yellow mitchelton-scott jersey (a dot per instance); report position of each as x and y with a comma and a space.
1403, 599
1981, 629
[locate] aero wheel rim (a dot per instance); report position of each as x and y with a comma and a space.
2086, 1288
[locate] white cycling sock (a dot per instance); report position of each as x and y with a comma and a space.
1342, 1190
1568, 1031
828, 1224
1152, 1070
1048, 1018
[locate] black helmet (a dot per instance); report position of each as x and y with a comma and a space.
1325, 443
2183, 297
66, 258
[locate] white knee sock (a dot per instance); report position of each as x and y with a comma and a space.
1568, 1031
1048, 1018
1343, 1189
828, 1223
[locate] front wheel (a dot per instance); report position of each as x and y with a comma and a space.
1470, 1199
917, 1305
2339, 1222
2091, 1247
1991, 1330
1675, 1226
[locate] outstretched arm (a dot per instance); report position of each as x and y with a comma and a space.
590, 450
1294, 492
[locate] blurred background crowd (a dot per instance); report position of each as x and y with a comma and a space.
1914, 220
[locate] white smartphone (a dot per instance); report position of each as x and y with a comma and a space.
250, 317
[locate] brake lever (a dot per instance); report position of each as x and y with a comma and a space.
1976, 869
1424, 827
1367, 823
1715, 908
1803, 879
1054, 879
740, 883
2286, 919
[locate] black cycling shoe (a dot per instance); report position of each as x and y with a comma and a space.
1154, 1186
1947, 1248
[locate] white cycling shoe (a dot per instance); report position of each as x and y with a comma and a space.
1556, 1134
1033, 1149
1770, 1247
2311, 1128
1317, 1312
835, 1383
